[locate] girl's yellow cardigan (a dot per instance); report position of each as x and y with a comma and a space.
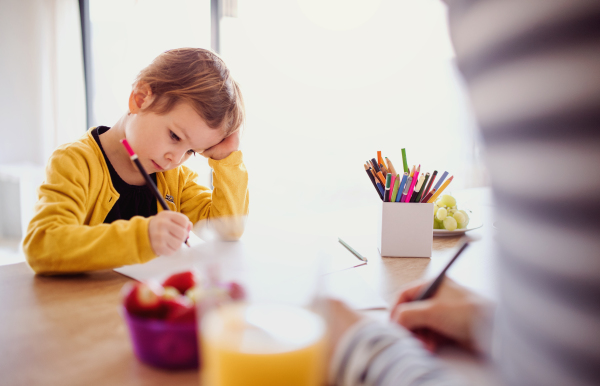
67, 233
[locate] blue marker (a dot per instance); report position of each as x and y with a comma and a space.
439, 183
401, 187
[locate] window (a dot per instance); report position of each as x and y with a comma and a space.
327, 83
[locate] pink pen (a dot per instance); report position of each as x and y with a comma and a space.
392, 188
412, 184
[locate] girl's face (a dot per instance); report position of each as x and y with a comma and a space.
163, 142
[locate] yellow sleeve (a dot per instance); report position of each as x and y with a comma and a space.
229, 198
59, 238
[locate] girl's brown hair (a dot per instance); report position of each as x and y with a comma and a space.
200, 78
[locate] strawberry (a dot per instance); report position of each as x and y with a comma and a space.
182, 281
179, 310
236, 291
143, 299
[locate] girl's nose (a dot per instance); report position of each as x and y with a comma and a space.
175, 157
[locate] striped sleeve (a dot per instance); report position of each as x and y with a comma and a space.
381, 354
532, 68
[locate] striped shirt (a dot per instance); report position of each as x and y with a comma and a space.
532, 68
533, 73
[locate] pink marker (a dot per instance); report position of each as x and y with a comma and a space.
412, 184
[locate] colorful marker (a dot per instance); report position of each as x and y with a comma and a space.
401, 187
404, 161
388, 184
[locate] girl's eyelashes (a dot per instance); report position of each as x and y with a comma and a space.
176, 138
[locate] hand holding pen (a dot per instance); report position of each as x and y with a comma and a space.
168, 229
447, 311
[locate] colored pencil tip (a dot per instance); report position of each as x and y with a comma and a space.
127, 147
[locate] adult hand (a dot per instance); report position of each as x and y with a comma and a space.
167, 231
451, 313
227, 146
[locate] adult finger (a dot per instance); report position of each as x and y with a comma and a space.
413, 315
408, 294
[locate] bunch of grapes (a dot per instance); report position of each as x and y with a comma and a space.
447, 216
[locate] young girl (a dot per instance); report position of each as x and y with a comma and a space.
94, 210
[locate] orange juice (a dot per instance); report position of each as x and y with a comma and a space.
262, 345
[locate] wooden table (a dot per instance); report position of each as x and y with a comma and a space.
66, 330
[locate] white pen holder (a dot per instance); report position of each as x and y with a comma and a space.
405, 229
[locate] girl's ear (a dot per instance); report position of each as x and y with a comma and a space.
141, 96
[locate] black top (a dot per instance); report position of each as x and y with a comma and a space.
134, 200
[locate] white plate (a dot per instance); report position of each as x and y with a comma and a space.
445, 233
474, 223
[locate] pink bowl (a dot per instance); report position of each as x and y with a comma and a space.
163, 344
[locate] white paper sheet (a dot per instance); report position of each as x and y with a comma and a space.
338, 267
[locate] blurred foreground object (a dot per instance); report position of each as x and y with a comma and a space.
532, 70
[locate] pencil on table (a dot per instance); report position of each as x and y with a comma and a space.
440, 190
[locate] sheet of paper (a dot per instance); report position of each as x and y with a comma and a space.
341, 282
349, 286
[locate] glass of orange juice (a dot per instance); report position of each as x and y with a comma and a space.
275, 334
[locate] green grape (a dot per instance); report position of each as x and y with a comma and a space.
466, 221
436, 224
459, 217
450, 223
447, 200
435, 209
441, 214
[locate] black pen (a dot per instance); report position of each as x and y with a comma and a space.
433, 287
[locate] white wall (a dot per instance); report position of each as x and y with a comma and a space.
20, 76
42, 101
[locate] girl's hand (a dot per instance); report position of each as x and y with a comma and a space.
451, 313
222, 150
167, 231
